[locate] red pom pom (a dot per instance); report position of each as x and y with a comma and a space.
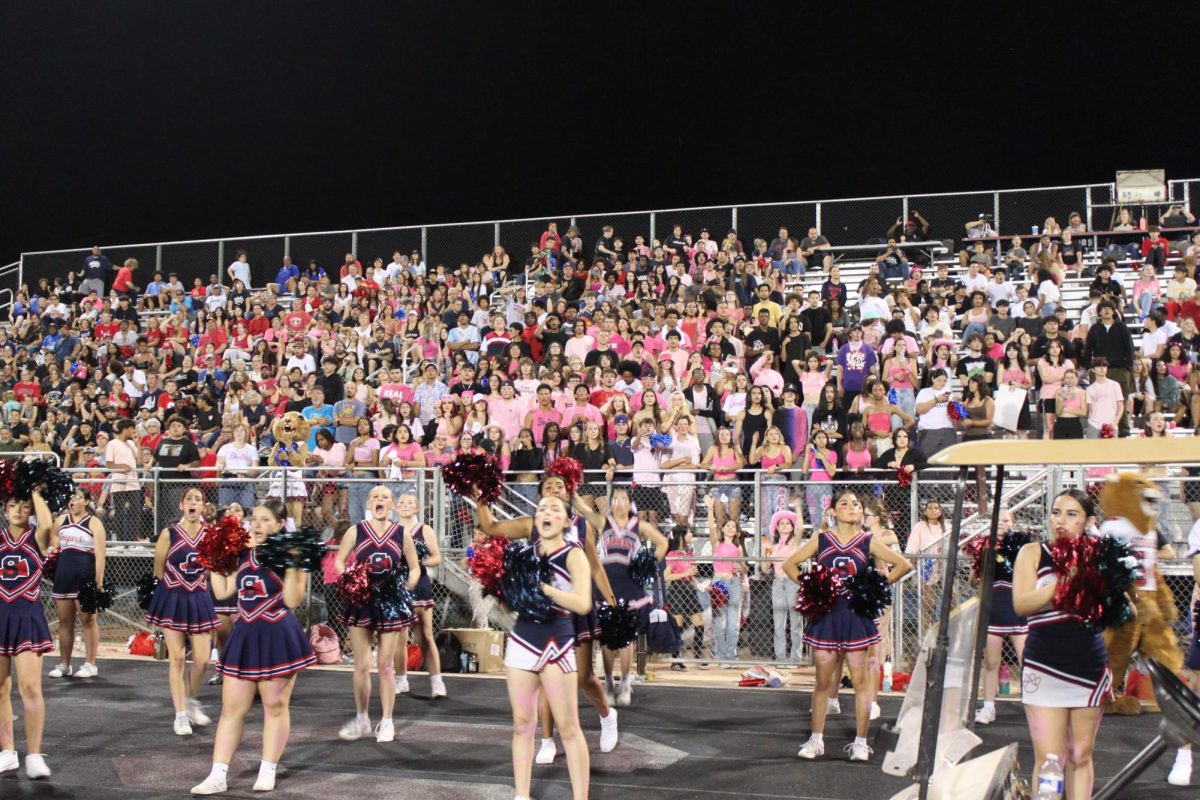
487, 565
817, 592
1106, 431
8, 473
904, 477
221, 545
718, 595
355, 584
974, 551
569, 469
1080, 590
50, 565
474, 475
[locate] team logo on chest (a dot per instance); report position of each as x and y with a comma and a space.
17, 575
847, 566
380, 562
191, 566
13, 568
251, 588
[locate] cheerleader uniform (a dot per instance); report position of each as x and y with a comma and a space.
534, 646
1065, 662
423, 594
181, 601
841, 629
23, 627
586, 626
76, 559
1002, 618
385, 553
267, 640
618, 545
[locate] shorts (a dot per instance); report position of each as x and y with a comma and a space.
681, 599
75, 567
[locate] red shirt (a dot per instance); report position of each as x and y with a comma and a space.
151, 440
297, 321
601, 396
257, 326
1191, 309
23, 390
106, 330
535, 344
124, 280
207, 471
1149, 244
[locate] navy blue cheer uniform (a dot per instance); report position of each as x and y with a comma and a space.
267, 640
587, 626
534, 646
76, 558
1065, 662
1002, 617
423, 594
841, 629
23, 627
617, 547
384, 553
181, 601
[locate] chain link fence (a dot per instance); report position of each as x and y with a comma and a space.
756, 625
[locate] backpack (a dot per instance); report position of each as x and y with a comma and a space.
449, 651
662, 634
325, 644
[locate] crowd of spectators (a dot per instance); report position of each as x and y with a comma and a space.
748, 356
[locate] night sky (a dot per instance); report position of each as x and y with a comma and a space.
142, 121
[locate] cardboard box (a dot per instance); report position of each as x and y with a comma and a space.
485, 644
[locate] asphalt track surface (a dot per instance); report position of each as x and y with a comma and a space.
110, 738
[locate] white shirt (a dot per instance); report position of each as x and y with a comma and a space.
1002, 291
872, 308
936, 418
214, 301
1151, 341
979, 282
238, 459
240, 270
306, 363
134, 387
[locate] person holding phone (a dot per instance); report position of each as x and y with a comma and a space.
934, 426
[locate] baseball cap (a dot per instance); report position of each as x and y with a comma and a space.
791, 387
620, 418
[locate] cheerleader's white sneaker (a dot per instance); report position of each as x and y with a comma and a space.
265, 783
210, 785
812, 748
859, 751
985, 715
183, 726
833, 707
354, 730
1181, 770
401, 684
87, 671
59, 671
385, 731
35, 766
9, 760
875, 711
196, 714
608, 732
546, 752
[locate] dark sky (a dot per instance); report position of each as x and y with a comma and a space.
140, 121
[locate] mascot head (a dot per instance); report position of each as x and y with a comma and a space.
1132, 496
291, 427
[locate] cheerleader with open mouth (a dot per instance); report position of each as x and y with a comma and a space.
541, 655
382, 544
24, 634
266, 649
182, 607
847, 549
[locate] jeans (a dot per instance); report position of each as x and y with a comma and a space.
1145, 304
973, 327
783, 610
356, 502
527, 490
774, 498
819, 495
241, 492
793, 266
906, 401
126, 509
1048, 310
727, 621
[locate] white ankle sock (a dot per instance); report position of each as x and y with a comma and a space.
266, 768
219, 771
181, 715
860, 740
627, 680
1183, 756
548, 742
819, 738
989, 705
363, 718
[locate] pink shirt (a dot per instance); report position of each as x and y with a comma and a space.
728, 550
508, 414
1104, 400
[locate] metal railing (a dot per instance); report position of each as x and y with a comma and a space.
843, 221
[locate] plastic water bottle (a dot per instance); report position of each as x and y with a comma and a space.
888, 670
1034, 229
1005, 679
1050, 780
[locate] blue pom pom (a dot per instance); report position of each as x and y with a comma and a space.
619, 624
524, 573
390, 597
643, 567
195, 340
869, 593
660, 441
893, 396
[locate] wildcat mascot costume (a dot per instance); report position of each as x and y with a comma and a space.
289, 456
1131, 504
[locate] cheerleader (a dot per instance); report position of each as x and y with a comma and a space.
24, 634
79, 537
225, 608
1003, 622
841, 633
182, 607
406, 509
266, 649
383, 545
1181, 770
541, 655
618, 544
582, 534
1064, 677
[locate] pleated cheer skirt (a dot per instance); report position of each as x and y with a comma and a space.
261, 650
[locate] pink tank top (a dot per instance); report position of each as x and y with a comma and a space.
858, 459
773, 461
724, 461
1012, 376
900, 377
880, 422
